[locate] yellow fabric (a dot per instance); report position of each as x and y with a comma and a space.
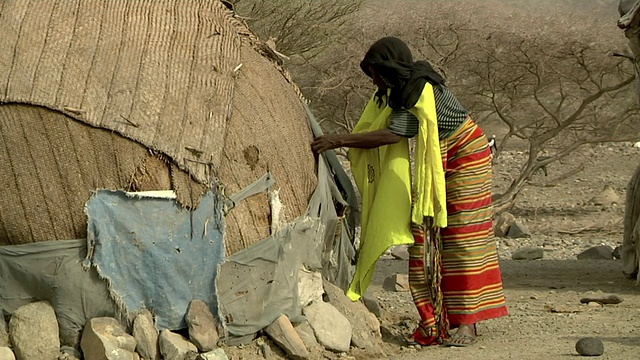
429, 177
383, 177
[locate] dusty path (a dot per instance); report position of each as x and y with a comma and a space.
531, 331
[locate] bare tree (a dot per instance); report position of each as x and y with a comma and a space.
297, 27
547, 77
555, 94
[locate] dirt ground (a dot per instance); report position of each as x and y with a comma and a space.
564, 222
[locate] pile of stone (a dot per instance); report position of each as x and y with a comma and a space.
333, 322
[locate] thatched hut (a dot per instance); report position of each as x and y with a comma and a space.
138, 96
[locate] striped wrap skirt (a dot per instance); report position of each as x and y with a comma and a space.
454, 273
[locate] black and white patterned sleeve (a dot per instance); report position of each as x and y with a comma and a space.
403, 123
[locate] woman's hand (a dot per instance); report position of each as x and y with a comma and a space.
326, 142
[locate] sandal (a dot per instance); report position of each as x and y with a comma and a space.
462, 340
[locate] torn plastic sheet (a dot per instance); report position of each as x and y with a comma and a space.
52, 271
342, 180
260, 283
155, 254
261, 185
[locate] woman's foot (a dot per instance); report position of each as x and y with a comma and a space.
465, 335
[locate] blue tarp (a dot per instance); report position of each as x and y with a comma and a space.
156, 254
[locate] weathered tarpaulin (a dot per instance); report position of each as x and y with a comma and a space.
53, 271
155, 254
260, 283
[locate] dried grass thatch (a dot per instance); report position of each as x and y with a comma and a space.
141, 95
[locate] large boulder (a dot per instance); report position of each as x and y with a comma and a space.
34, 333
104, 338
365, 325
175, 347
146, 335
203, 329
332, 329
285, 335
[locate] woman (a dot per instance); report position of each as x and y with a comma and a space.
450, 230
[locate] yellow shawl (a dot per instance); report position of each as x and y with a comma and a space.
383, 177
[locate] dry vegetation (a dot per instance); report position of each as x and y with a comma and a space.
542, 69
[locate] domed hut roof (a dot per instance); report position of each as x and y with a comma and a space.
142, 95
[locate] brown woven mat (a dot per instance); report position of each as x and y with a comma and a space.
51, 164
158, 72
268, 131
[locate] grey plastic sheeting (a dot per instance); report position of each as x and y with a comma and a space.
260, 283
53, 271
155, 254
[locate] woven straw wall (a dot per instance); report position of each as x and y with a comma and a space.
156, 71
50, 165
268, 131
185, 84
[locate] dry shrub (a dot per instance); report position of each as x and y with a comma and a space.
541, 68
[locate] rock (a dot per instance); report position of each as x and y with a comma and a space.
217, 354
503, 223
239, 340
602, 300
34, 333
396, 282
192, 355
400, 252
306, 334
508, 242
607, 197
175, 347
371, 303
284, 334
71, 357
6, 353
69, 353
330, 327
309, 286
4, 335
590, 346
146, 335
602, 252
104, 338
616, 253
518, 230
266, 351
365, 326
203, 329
528, 253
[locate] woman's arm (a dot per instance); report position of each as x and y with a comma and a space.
368, 140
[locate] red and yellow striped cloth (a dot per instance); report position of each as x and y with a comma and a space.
471, 281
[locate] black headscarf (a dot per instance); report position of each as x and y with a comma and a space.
394, 64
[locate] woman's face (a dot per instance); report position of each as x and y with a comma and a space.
377, 81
